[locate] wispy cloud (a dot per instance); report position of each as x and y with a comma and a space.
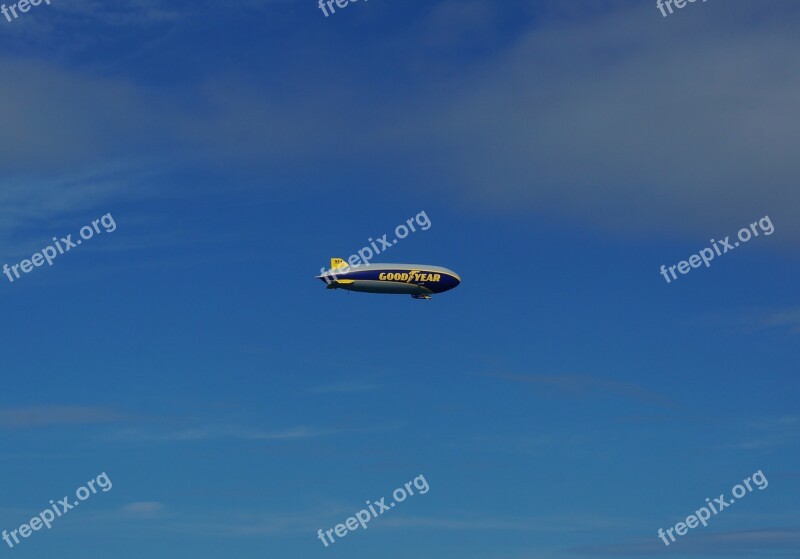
34, 209
237, 523
549, 524
588, 386
127, 13
40, 416
214, 432
143, 510
246, 524
750, 543
788, 319
123, 12
753, 320
768, 433
596, 152
344, 387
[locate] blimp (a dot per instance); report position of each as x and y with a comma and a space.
418, 280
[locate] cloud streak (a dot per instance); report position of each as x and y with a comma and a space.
584, 386
219, 432
749, 543
43, 416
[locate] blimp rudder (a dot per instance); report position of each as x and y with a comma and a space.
337, 263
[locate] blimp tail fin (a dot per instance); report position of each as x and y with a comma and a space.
337, 263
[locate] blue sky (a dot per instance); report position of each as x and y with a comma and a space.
563, 402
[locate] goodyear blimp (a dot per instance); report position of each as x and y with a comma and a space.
418, 280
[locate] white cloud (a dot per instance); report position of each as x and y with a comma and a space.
627, 121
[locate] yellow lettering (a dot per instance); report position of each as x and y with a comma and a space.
436, 277
382, 276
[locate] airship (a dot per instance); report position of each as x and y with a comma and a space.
418, 280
